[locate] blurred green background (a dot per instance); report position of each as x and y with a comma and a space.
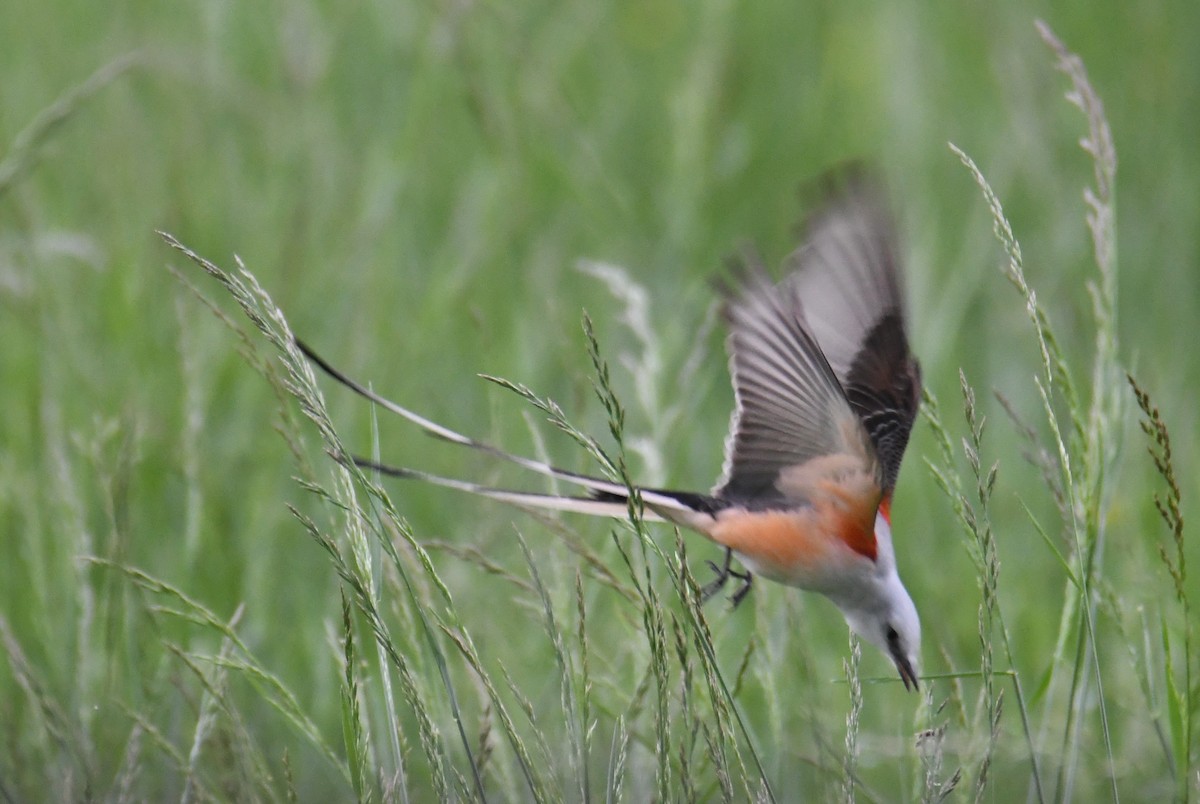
416, 184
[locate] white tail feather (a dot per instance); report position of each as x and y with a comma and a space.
445, 433
580, 505
659, 506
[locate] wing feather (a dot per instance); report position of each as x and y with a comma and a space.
790, 407
848, 272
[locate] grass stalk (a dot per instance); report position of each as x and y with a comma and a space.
853, 716
1082, 505
616, 425
576, 725
25, 151
300, 382
1183, 695
354, 732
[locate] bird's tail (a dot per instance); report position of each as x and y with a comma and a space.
604, 498
599, 504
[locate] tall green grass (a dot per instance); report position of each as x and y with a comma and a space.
198, 608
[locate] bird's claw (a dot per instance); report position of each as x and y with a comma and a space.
723, 574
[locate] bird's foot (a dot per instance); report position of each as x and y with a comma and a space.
723, 574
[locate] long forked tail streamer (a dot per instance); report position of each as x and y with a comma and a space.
600, 506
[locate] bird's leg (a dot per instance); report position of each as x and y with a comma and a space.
747, 579
722, 577
724, 573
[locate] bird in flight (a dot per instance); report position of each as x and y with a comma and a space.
826, 392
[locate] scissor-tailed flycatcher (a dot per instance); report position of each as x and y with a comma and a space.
826, 392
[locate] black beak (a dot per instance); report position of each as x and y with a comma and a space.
906, 671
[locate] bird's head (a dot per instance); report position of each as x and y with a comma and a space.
891, 624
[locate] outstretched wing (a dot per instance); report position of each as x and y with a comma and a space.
790, 408
848, 273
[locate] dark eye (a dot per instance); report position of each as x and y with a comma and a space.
893, 638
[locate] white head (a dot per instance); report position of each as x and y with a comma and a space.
893, 627
882, 613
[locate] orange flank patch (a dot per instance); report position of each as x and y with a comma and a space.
782, 539
796, 543
885, 508
831, 523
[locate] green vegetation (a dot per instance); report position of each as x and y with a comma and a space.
198, 602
